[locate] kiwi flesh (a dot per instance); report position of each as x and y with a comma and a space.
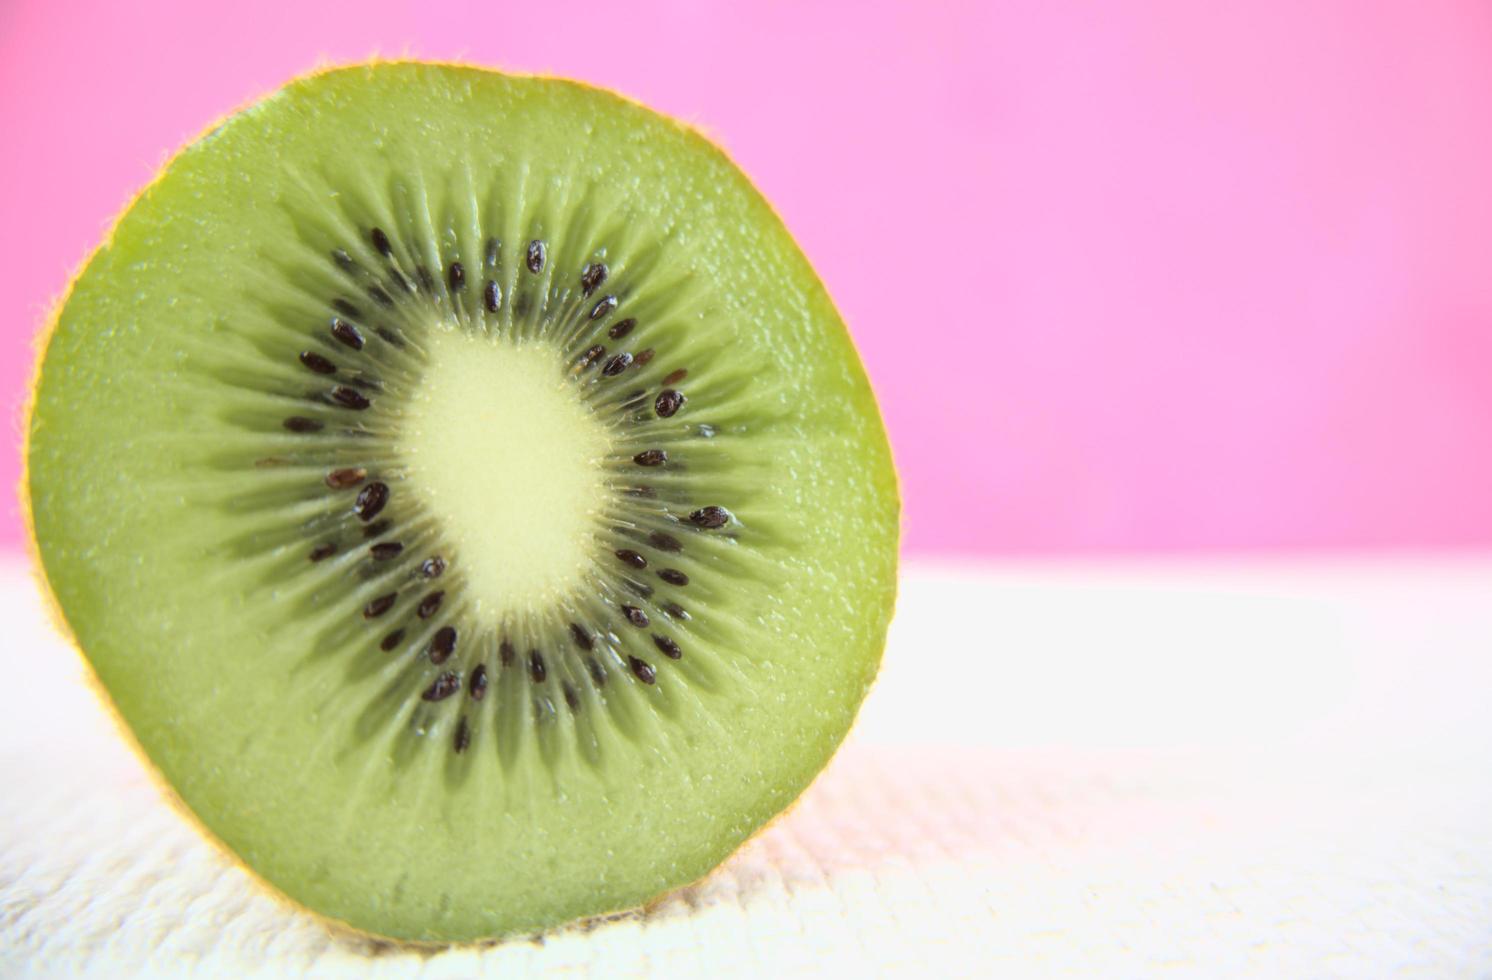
467, 496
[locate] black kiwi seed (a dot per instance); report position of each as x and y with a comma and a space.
390, 337
536, 252
384, 550
430, 605
643, 357
621, 328
617, 365
322, 551
582, 638
598, 673
603, 306
377, 607
478, 686
536, 668
673, 576
675, 612
382, 243
397, 278
317, 363
592, 276
392, 640
370, 500
674, 377
342, 259
490, 254
639, 588
642, 669
442, 644
350, 398
492, 295
376, 528
380, 297
346, 309
571, 698
669, 647
433, 566
635, 616
445, 685
506, 653
463, 735
591, 356
456, 276
349, 476
650, 457
296, 423
347, 333
668, 402
710, 517
630, 557
664, 541
427, 281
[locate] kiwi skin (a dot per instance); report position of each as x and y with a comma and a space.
25, 491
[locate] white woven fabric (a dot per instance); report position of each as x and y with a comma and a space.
1180, 769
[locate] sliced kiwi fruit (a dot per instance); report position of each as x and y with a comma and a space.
467, 495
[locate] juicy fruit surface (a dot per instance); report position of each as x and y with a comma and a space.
223, 520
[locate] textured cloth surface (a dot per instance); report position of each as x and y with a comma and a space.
1157, 769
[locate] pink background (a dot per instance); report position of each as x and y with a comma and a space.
1155, 279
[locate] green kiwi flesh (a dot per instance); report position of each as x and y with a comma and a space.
467, 495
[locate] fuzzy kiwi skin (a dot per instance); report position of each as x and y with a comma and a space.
87, 544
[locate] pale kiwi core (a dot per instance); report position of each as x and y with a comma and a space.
509, 461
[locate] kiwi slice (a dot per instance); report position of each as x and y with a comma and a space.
467, 495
